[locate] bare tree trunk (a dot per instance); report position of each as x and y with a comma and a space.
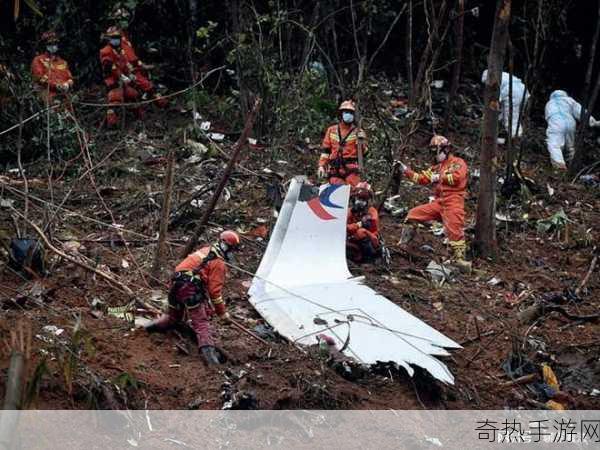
485, 227
409, 50
509, 142
164, 219
240, 144
578, 158
460, 37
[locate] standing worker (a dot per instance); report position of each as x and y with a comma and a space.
516, 127
562, 113
49, 71
362, 227
341, 148
449, 177
198, 279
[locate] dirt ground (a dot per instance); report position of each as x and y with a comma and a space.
105, 362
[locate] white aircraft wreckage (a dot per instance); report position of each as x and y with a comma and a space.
303, 288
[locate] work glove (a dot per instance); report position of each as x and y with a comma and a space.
132, 77
435, 177
359, 224
321, 172
361, 134
125, 79
147, 66
63, 87
403, 167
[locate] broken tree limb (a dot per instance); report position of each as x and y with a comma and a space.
164, 218
525, 379
240, 144
242, 328
539, 309
588, 274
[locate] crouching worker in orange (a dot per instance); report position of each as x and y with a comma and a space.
196, 293
340, 148
449, 177
49, 71
362, 228
119, 76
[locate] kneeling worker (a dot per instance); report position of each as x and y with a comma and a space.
198, 279
362, 226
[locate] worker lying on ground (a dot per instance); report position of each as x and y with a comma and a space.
362, 226
49, 71
340, 148
449, 176
562, 114
198, 279
518, 103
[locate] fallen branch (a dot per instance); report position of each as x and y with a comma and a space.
525, 379
242, 328
241, 143
588, 274
121, 286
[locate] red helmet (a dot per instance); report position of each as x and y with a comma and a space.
49, 37
231, 238
362, 190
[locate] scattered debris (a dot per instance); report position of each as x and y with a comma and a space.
53, 329
440, 273
393, 206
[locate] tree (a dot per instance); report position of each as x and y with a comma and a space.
485, 228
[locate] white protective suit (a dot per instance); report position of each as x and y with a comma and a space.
562, 114
518, 90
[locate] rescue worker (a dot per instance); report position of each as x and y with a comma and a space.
141, 82
198, 279
340, 148
362, 227
49, 71
449, 177
562, 113
118, 76
517, 100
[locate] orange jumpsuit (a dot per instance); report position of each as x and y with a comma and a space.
450, 191
367, 232
339, 154
114, 64
136, 66
192, 273
50, 71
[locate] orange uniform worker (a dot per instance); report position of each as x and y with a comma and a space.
449, 177
362, 227
340, 148
118, 75
49, 71
198, 279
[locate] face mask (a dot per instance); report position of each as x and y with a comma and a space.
441, 157
115, 42
359, 205
348, 117
52, 48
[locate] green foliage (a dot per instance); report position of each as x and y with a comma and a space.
554, 223
32, 391
69, 354
125, 380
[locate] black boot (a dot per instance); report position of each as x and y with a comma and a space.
210, 356
368, 250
